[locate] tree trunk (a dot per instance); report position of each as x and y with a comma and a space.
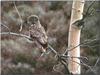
74, 37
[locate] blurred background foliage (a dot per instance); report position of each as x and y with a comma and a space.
18, 56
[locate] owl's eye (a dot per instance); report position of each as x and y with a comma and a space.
35, 19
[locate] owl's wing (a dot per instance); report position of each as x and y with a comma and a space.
39, 34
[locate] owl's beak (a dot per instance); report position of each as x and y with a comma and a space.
32, 25
33, 22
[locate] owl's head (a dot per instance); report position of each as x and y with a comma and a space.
32, 20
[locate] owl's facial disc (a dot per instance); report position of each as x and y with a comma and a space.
32, 20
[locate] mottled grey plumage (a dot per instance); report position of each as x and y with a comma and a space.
37, 32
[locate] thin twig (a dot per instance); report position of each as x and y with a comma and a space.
87, 66
54, 68
21, 21
16, 34
87, 11
96, 62
82, 63
53, 50
81, 57
64, 64
85, 42
2, 24
91, 46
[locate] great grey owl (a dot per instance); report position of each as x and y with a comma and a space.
37, 32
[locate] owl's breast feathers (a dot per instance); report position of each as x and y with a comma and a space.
39, 34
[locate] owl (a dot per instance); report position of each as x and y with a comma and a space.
37, 32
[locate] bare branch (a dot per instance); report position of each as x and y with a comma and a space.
82, 63
16, 34
64, 64
85, 42
81, 57
21, 21
52, 49
54, 67
28, 37
2, 24
97, 62
87, 12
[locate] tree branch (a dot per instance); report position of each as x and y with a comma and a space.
16, 34
85, 42
21, 21
2, 24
